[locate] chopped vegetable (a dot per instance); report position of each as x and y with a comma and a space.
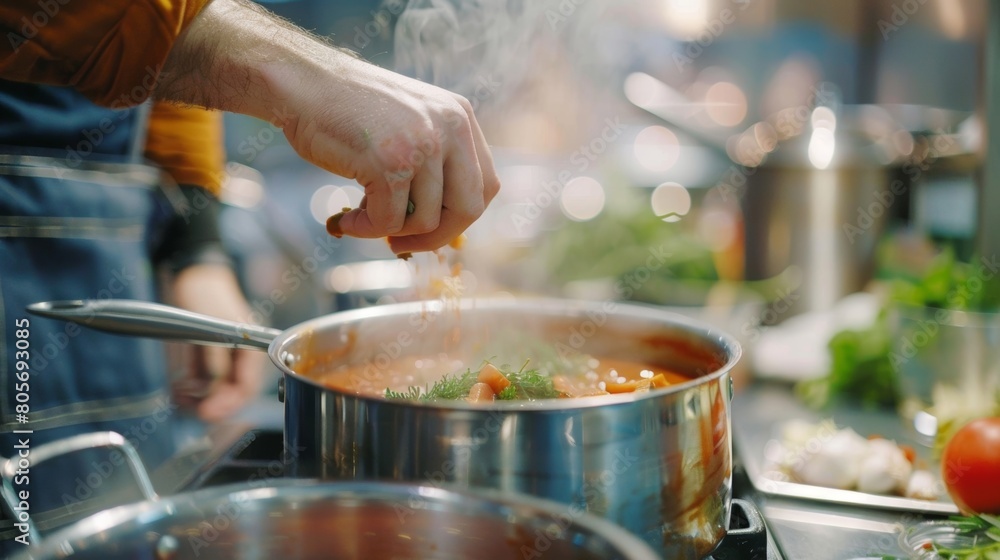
658, 381
628, 386
822, 454
885, 469
523, 384
480, 392
491, 376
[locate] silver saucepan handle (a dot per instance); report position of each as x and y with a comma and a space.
152, 320
59, 448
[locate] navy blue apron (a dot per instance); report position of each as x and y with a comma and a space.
79, 216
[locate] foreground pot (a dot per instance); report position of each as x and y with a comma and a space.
297, 519
658, 463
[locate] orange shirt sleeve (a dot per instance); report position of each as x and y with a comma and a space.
110, 50
188, 143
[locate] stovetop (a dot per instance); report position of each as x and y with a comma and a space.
258, 455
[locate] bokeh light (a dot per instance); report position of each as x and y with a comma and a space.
725, 104
657, 148
671, 202
582, 199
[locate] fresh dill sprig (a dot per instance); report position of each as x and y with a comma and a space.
453, 387
526, 384
508, 394
985, 526
411, 393
532, 384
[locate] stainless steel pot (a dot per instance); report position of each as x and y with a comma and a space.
298, 519
657, 463
822, 199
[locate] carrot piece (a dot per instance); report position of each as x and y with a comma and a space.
561, 383
480, 392
591, 393
659, 380
491, 376
627, 387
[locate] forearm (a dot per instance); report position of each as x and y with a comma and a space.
408, 143
238, 57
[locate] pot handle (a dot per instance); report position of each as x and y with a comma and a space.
61, 447
152, 320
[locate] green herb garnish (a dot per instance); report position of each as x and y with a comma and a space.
526, 384
411, 393
986, 541
531, 384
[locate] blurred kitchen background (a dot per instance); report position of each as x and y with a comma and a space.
747, 162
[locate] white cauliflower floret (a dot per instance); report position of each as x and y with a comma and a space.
836, 463
885, 470
922, 486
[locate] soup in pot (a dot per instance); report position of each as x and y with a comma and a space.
442, 377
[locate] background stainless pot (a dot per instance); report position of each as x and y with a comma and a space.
657, 463
297, 519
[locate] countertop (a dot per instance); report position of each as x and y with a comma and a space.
809, 529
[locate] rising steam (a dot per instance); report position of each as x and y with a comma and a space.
471, 46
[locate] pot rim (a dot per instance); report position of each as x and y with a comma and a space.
552, 306
489, 501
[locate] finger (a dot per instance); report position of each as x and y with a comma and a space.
426, 193
491, 182
462, 198
462, 202
428, 241
385, 210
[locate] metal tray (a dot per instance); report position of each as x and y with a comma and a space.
759, 410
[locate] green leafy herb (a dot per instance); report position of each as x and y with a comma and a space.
453, 387
860, 368
985, 531
861, 360
531, 384
525, 384
411, 393
508, 394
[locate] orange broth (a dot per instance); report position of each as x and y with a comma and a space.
596, 377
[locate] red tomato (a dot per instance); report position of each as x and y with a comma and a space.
970, 466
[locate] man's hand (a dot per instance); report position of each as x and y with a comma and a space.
220, 380
405, 141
